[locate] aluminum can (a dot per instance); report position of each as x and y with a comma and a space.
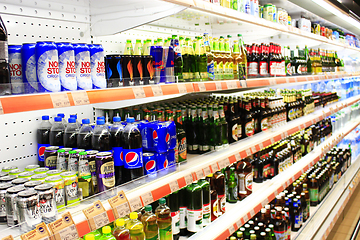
157, 52
161, 161
169, 75
27, 175
82, 66
15, 172
59, 188
73, 162
61, 160
32, 184
10, 205
97, 66
31, 168
171, 157
3, 189
113, 71
91, 157
105, 171
127, 69
41, 170
15, 66
19, 181
27, 205
148, 68
149, 163
39, 177
50, 157
71, 188
47, 67
7, 179
3, 174
47, 202
67, 72
55, 172
8, 168
28, 60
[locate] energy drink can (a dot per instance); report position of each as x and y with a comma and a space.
148, 68
58, 184
97, 66
82, 66
27, 206
127, 70
67, 71
113, 70
158, 56
28, 61
16, 73
71, 188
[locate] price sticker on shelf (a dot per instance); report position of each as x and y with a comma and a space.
39, 233
119, 204
8, 238
80, 98
96, 215
123, 209
243, 83
207, 171
100, 220
199, 174
1, 109
231, 84
135, 204
188, 179
157, 91
174, 186
60, 100
237, 156
69, 233
272, 81
201, 86
224, 163
147, 198
218, 85
248, 152
231, 229
214, 167
182, 88
64, 228
139, 92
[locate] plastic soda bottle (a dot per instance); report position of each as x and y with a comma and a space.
149, 220
135, 227
96, 234
89, 236
120, 232
163, 214
107, 234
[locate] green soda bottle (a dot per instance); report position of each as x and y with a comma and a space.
89, 236
96, 234
107, 234
163, 214
149, 220
135, 227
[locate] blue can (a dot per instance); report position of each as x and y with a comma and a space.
171, 157
161, 161
168, 75
97, 66
67, 72
113, 70
47, 67
159, 65
146, 135
149, 163
171, 134
82, 66
29, 68
15, 65
160, 137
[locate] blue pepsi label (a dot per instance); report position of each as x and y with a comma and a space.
133, 158
41, 150
210, 70
117, 154
150, 166
161, 161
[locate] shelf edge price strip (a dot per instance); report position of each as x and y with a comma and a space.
96, 216
139, 92
174, 186
182, 88
135, 204
64, 228
80, 98
60, 100
157, 91
147, 198
120, 205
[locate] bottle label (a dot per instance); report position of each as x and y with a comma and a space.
73, 164
175, 222
117, 151
253, 69
306, 212
263, 69
297, 223
239, 131
288, 69
107, 174
133, 158
50, 162
84, 169
166, 233
41, 151
210, 70
92, 167
249, 181
194, 220
280, 235
273, 68
314, 194
234, 132
71, 190
242, 71
241, 183
249, 128
182, 150
59, 194
183, 218
48, 70
16, 76
206, 214
214, 209
222, 203
264, 124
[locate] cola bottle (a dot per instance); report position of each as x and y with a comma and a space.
5, 86
70, 136
132, 151
43, 140
116, 143
62, 115
57, 132
77, 122
85, 134
101, 137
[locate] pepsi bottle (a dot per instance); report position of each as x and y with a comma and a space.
62, 115
85, 134
77, 122
70, 136
116, 143
101, 137
132, 151
57, 132
43, 139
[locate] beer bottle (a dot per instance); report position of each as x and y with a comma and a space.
194, 208
173, 202
242, 63
247, 231
215, 129
193, 144
280, 227
220, 189
214, 207
186, 52
224, 128
233, 123
313, 191
205, 131
232, 186
245, 178
195, 63
183, 203
205, 186
286, 214
209, 58
202, 61
295, 216
181, 138
150, 223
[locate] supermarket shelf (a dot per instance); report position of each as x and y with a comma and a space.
226, 225
324, 215
33, 102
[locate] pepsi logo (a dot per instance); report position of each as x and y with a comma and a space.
166, 163
150, 166
167, 137
132, 158
122, 156
41, 151
155, 135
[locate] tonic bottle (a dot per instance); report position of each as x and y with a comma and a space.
215, 130
85, 135
70, 136
43, 138
181, 138
132, 151
150, 223
194, 208
224, 128
120, 232
163, 214
173, 202
101, 137
135, 227
232, 186
205, 186
57, 132
106, 234
5, 86
117, 144
220, 189
209, 57
242, 63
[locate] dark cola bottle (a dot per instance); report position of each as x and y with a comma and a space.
71, 131
57, 132
43, 139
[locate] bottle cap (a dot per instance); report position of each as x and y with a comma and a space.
85, 121
101, 117
106, 230
239, 234
61, 115
100, 122
73, 116
148, 208
89, 236
82, 153
162, 201
57, 119
72, 120
133, 215
120, 222
130, 120
45, 117
116, 119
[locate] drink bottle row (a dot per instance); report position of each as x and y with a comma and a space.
291, 208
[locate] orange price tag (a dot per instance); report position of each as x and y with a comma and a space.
40, 232
96, 215
64, 228
80, 98
60, 100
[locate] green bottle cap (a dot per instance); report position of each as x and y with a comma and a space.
162, 201
148, 208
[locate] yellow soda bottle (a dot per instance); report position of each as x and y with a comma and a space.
163, 215
135, 227
149, 220
107, 234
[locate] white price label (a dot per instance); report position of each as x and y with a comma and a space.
199, 174
272, 81
69, 233
207, 171
243, 83
188, 179
218, 85
248, 152
224, 163
139, 92
231, 85
147, 198
238, 223
80, 98
214, 167
123, 209
60, 100
231, 229
135, 204
261, 146
237, 156
182, 88
101, 220
174, 186
157, 91
202, 87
